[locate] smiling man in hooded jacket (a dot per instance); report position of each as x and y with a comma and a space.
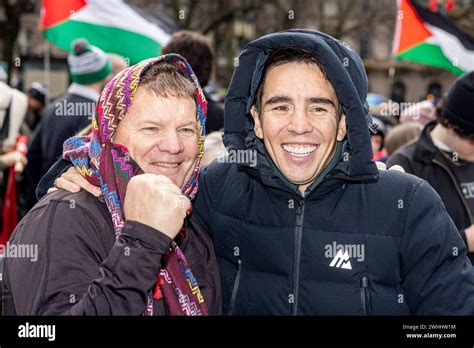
314, 228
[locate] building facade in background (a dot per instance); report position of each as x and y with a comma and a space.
366, 25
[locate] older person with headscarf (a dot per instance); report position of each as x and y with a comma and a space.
101, 256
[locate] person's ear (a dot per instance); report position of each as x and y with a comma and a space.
257, 124
342, 130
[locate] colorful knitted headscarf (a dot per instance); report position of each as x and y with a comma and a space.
110, 166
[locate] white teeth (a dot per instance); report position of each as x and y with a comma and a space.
166, 165
299, 151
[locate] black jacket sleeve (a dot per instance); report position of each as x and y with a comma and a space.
47, 181
77, 274
437, 276
202, 205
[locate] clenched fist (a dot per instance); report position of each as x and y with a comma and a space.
155, 201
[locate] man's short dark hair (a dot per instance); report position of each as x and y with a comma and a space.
461, 132
284, 55
196, 49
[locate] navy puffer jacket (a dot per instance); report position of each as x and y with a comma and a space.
357, 243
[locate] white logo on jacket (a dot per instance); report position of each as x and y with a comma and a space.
341, 260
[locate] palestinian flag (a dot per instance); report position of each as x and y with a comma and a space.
429, 38
113, 25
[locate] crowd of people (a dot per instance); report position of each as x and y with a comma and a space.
128, 191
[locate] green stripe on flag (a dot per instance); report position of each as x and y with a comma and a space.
429, 54
128, 44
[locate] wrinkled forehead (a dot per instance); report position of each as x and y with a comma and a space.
165, 110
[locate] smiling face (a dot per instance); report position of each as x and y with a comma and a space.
298, 121
161, 134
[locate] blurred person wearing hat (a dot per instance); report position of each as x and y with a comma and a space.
37, 94
13, 106
213, 148
443, 155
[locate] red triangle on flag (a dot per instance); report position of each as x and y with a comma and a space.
54, 12
410, 27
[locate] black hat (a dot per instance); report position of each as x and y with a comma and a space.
459, 104
38, 91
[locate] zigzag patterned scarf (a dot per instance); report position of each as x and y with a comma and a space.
110, 166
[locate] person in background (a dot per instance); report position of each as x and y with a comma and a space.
213, 148
90, 70
422, 113
117, 62
198, 51
443, 155
13, 107
37, 94
400, 135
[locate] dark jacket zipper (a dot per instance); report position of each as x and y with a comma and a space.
297, 257
235, 287
365, 295
453, 179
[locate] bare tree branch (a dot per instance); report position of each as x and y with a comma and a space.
230, 15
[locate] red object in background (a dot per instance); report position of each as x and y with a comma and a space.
22, 144
380, 155
433, 5
10, 208
450, 4
54, 12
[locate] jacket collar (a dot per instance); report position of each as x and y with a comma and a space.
426, 150
84, 91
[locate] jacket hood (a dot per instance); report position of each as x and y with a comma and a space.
345, 71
